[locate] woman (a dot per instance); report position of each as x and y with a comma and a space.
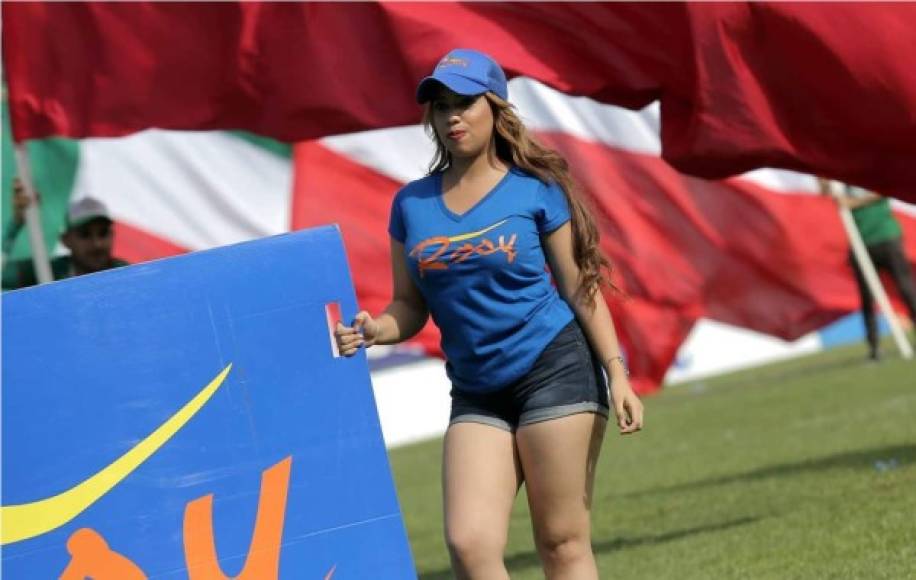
469, 245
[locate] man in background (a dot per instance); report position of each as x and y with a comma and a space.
883, 238
88, 235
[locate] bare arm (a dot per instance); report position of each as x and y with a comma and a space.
402, 319
595, 318
857, 202
848, 201
407, 313
21, 201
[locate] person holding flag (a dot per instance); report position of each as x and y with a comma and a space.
883, 238
527, 359
89, 235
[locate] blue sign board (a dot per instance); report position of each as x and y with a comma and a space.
189, 418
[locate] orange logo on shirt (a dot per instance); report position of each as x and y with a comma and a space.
441, 258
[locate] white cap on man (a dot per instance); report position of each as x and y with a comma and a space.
84, 210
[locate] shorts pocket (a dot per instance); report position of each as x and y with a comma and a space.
568, 338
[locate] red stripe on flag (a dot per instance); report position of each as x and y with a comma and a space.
137, 245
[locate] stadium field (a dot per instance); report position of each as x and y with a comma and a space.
802, 469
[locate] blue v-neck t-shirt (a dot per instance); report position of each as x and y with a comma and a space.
483, 274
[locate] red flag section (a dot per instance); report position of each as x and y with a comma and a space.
741, 85
136, 245
330, 188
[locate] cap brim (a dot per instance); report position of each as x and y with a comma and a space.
456, 83
85, 220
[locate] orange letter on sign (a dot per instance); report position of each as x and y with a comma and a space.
90, 557
263, 559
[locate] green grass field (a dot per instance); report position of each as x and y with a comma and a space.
803, 469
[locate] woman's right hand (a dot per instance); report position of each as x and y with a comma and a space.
364, 332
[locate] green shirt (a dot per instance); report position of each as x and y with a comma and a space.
875, 221
21, 273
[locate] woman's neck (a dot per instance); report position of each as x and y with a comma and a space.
479, 166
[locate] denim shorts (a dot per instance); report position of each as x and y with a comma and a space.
566, 379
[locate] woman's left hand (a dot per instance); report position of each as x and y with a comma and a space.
627, 406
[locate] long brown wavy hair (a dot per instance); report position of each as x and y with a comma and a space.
515, 146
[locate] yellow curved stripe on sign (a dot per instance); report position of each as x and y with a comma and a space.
24, 521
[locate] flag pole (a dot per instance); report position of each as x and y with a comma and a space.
33, 219
871, 275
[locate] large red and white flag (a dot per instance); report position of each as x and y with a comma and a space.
757, 251
741, 85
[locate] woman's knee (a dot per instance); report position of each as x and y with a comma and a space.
473, 543
563, 547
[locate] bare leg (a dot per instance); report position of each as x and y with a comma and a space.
481, 475
558, 459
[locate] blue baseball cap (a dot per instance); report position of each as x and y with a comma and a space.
466, 72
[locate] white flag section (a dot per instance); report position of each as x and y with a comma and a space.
403, 153
195, 190
199, 190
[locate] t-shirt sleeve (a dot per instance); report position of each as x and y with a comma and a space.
553, 208
396, 221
